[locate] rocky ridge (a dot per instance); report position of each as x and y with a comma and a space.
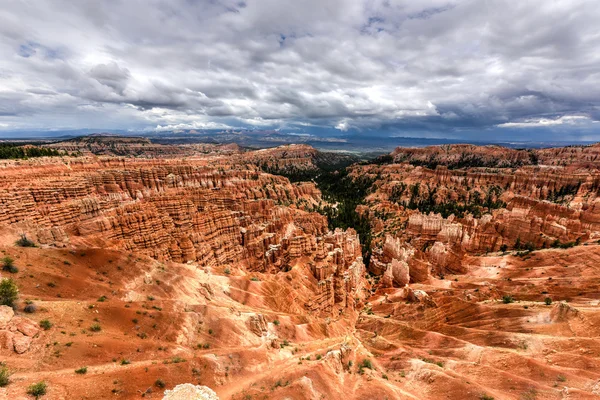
208, 271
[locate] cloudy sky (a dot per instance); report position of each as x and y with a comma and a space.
466, 69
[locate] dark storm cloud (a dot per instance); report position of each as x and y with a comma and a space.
433, 65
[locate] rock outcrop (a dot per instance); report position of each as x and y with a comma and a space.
16, 333
214, 211
444, 202
187, 391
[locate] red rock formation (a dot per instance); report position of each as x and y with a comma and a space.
16, 333
516, 202
186, 211
209, 271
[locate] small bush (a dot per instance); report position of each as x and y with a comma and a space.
45, 324
125, 362
159, 383
485, 397
81, 371
255, 279
561, 378
4, 375
95, 328
30, 308
25, 242
507, 299
13, 269
37, 389
9, 292
8, 264
319, 356
227, 271
102, 299
548, 301
276, 322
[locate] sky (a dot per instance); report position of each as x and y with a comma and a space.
472, 69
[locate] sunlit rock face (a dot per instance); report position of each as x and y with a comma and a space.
188, 391
193, 273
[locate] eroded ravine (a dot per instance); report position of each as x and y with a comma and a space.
209, 270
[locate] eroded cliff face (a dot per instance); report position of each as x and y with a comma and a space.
440, 214
212, 212
125, 146
468, 156
205, 270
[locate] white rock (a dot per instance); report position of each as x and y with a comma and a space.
187, 391
6, 314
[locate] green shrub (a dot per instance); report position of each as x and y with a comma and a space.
37, 390
4, 375
548, 301
8, 264
9, 292
25, 242
276, 322
45, 324
95, 328
507, 299
125, 362
159, 383
81, 371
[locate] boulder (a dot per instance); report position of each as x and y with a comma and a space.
6, 340
26, 326
187, 391
21, 343
6, 314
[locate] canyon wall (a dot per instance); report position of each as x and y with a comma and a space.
218, 212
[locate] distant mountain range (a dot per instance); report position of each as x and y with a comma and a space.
351, 143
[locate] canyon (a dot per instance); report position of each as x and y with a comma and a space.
472, 272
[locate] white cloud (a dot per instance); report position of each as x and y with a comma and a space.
338, 64
343, 126
547, 122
